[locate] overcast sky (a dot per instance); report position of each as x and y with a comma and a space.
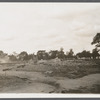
48, 26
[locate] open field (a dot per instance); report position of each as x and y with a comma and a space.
50, 76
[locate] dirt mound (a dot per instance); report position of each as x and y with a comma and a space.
87, 84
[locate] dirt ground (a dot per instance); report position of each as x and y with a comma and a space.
69, 76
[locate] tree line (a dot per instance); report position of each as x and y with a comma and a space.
52, 54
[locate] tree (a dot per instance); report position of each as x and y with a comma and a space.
88, 54
53, 54
46, 56
23, 56
30, 56
84, 53
61, 54
95, 53
79, 55
70, 53
2, 54
12, 57
42, 54
96, 40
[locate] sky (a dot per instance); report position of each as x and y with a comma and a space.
48, 26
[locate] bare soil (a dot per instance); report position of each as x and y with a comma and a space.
69, 76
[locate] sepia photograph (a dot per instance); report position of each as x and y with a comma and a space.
51, 48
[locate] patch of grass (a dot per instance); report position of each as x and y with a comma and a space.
76, 68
